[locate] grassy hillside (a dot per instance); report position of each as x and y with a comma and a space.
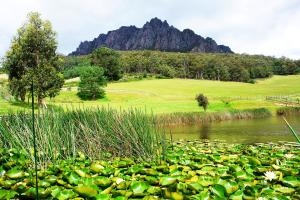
177, 95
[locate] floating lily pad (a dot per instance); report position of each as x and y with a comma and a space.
15, 173
167, 180
138, 187
291, 181
86, 191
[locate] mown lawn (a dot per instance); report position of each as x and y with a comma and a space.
177, 95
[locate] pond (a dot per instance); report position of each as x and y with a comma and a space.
240, 131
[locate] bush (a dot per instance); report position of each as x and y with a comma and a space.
90, 84
252, 81
202, 101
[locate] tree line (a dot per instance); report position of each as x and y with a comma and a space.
211, 66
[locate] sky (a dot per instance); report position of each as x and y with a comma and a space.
269, 27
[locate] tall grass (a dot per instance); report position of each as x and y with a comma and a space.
200, 118
97, 133
285, 111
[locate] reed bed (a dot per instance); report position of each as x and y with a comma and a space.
98, 133
286, 111
200, 118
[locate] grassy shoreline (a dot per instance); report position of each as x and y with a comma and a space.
200, 118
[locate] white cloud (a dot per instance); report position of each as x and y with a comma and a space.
267, 27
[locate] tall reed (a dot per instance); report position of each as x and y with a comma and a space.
98, 133
286, 111
200, 118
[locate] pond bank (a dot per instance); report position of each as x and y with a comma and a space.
202, 117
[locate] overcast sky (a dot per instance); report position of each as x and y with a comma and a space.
270, 27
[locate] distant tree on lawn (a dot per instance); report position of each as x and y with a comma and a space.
202, 101
91, 82
32, 57
109, 60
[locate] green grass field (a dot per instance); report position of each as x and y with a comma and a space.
178, 95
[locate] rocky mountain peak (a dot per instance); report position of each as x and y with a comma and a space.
154, 35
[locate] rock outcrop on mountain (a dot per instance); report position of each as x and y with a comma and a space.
154, 35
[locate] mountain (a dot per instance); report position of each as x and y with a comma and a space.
154, 35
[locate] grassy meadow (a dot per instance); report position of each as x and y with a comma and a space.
177, 95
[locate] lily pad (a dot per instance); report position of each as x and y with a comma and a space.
219, 191
291, 181
138, 187
86, 191
15, 173
167, 180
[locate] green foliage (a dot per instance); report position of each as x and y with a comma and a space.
239, 74
202, 101
73, 66
74, 72
261, 72
2, 70
224, 67
166, 71
74, 61
286, 66
191, 170
109, 60
91, 82
32, 58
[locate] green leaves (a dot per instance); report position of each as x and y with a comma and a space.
291, 181
102, 181
241, 175
167, 180
32, 57
86, 191
7, 194
138, 188
73, 178
15, 173
219, 191
91, 82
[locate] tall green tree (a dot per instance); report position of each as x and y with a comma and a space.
32, 58
91, 82
109, 60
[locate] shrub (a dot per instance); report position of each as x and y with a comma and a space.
90, 84
202, 101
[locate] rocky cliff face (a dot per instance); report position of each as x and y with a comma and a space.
154, 35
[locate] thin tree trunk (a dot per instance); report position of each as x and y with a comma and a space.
40, 101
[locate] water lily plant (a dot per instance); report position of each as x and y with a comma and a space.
269, 176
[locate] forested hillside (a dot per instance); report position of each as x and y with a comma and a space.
211, 66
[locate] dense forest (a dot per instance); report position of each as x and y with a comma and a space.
212, 66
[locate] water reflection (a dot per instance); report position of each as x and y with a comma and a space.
240, 131
204, 131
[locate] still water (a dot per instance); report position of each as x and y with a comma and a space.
240, 131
